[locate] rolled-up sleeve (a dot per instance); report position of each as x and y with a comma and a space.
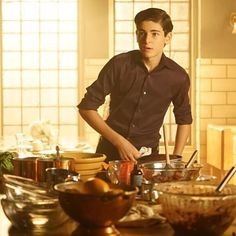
96, 93
181, 102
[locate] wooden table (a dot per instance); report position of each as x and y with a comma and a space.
69, 229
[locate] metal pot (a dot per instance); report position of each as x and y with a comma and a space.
35, 167
25, 167
41, 165
60, 163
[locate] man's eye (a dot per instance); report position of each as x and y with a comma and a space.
141, 34
154, 35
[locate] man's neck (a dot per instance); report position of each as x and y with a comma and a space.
151, 63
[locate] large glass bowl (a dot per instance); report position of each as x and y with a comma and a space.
195, 208
29, 206
34, 215
159, 172
19, 188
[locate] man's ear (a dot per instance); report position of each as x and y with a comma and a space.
168, 38
136, 33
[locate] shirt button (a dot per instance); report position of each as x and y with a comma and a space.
144, 92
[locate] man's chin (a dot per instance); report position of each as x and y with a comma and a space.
146, 55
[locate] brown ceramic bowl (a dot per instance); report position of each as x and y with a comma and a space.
95, 212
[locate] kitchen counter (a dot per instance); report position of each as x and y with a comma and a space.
70, 229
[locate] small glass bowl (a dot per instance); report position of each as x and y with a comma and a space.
195, 208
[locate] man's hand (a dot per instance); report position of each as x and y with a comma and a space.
126, 150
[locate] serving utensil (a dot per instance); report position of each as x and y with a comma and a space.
192, 159
168, 165
57, 152
226, 179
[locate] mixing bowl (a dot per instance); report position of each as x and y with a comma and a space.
34, 215
85, 163
195, 208
96, 213
157, 172
30, 206
20, 188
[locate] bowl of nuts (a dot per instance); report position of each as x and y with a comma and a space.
194, 208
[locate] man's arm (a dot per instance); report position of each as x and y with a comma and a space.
182, 134
125, 148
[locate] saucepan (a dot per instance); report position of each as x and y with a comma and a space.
35, 167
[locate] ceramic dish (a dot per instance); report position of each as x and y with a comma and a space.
85, 157
88, 166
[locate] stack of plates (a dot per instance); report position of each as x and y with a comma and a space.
86, 164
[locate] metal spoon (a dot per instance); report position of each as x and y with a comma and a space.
191, 160
226, 179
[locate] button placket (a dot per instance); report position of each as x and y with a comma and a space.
134, 122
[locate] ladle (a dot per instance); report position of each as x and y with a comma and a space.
57, 152
191, 160
168, 165
226, 179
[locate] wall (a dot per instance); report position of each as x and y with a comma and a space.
217, 94
94, 52
216, 38
216, 68
94, 28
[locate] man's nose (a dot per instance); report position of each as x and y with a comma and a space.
147, 38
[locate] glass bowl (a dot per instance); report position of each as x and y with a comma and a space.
195, 208
30, 206
34, 215
158, 173
18, 188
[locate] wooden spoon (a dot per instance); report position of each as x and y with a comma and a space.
168, 165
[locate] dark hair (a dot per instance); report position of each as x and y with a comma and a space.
155, 15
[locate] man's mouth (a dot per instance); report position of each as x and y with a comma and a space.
146, 48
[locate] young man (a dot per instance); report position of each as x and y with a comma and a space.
142, 84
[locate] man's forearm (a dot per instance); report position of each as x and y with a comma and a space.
182, 134
126, 150
97, 123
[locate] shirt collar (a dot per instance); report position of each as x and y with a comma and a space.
164, 62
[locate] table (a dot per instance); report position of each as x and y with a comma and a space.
69, 229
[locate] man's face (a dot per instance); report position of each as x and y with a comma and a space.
151, 39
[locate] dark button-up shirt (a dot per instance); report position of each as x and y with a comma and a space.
139, 99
